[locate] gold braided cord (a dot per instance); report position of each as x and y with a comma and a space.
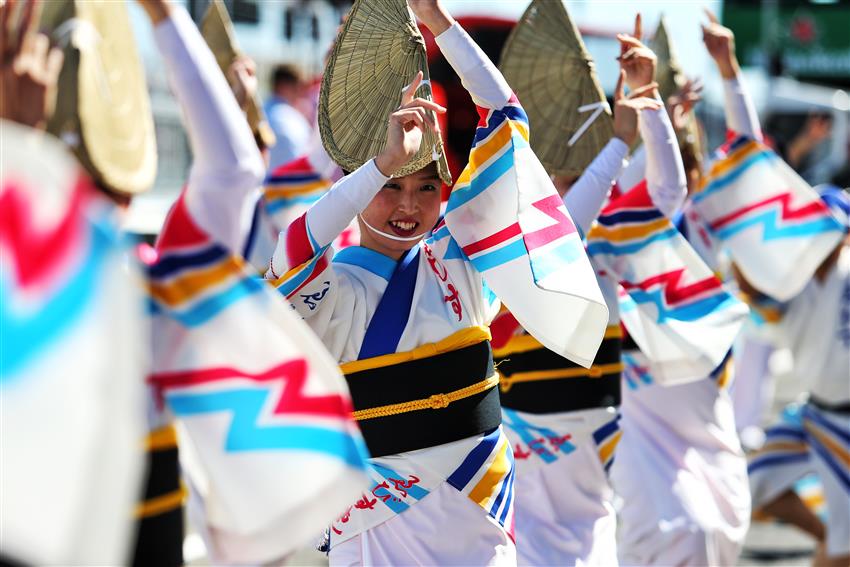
546, 63
437, 401
595, 371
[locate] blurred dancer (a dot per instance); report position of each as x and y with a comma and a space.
562, 419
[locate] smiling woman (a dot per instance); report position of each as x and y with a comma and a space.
405, 209
411, 300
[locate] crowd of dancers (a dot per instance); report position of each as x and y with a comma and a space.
533, 371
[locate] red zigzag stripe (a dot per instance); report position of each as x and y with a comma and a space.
673, 292
292, 399
786, 210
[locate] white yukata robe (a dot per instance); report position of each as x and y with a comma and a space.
450, 503
815, 326
72, 366
685, 321
267, 442
680, 457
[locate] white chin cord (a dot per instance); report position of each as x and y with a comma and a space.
391, 236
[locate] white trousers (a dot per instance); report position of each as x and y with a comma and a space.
563, 508
682, 477
444, 528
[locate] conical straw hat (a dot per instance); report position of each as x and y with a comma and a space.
671, 77
377, 53
546, 63
217, 29
102, 109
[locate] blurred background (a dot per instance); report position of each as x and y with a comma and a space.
795, 54
796, 61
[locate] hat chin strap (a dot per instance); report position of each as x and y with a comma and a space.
391, 236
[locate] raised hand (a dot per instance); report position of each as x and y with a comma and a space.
29, 68
406, 126
242, 76
683, 101
627, 108
720, 43
635, 58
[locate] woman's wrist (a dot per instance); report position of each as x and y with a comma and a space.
729, 68
437, 20
387, 164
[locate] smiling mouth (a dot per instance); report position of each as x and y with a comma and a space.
403, 228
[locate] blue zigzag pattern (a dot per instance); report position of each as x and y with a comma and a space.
774, 228
245, 433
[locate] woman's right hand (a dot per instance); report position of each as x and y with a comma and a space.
720, 43
405, 129
627, 108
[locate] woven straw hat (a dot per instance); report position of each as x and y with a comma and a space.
217, 29
546, 63
377, 53
671, 77
102, 109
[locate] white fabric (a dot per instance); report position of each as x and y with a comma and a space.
665, 173
72, 367
750, 390
445, 528
585, 198
292, 131
227, 168
816, 327
741, 115
634, 172
480, 78
246, 485
337, 301
682, 476
837, 496
564, 512
346, 199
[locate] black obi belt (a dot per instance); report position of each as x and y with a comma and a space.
435, 394
536, 380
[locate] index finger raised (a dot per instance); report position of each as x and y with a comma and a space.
407, 96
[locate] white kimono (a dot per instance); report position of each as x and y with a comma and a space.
267, 441
563, 458
815, 326
467, 517
680, 457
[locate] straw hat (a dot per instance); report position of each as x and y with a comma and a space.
102, 109
671, 77
546, 63
377, 53
217, 29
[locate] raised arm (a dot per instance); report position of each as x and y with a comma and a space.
480, 77
665, 172
741, 116
331, 214
227, 169
586, 197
